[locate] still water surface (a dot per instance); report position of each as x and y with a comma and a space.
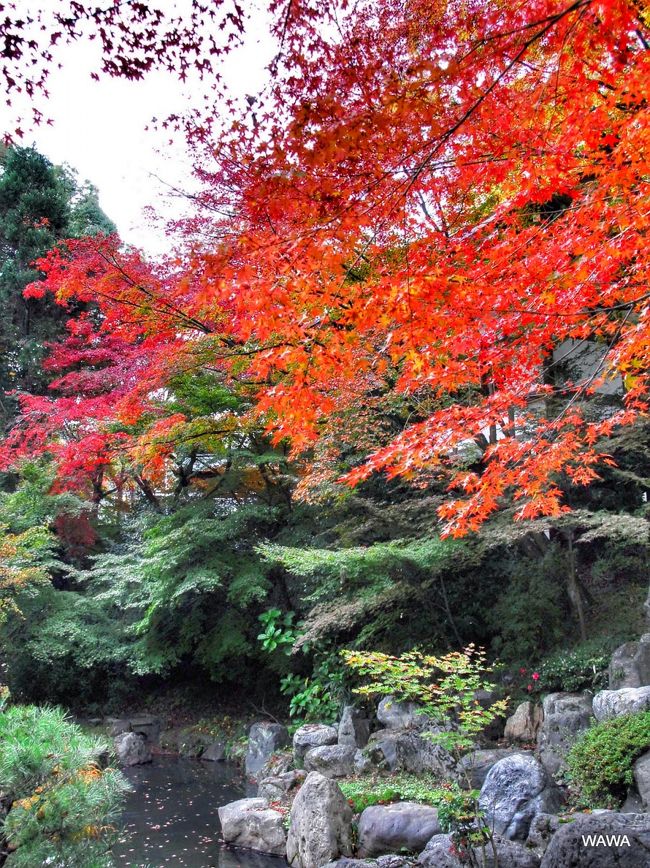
171, 816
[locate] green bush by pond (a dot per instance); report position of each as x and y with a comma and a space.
62, 804
599, 766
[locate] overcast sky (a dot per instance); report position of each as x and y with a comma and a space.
99, 129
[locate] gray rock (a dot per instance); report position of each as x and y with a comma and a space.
408, 750
351, 863
400, 715
354, 727
568, 848
642, 778
321, 824
397, 827
117, 725
381, 862
630, 664
632, 803
515, 790
542, 829
277, 764
524, 724
439, 853
362, 763
476, 765
215, 752
509, 854
132, 749
393, 861
192, 743
148, 726
279, 787
566, 716
312, 735
331, 760
264, 740
615, 703
253, 824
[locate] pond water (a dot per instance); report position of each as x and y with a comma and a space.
171, 817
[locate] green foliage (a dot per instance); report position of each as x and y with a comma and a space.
200, 577
63, 805
317, 697
39, 205
599, 765
458, 810
459, 814
446, 687
278, 632
31, 501
379, 790
447, 690
581, 668
529, 614
64, 646
22, 566
363, 567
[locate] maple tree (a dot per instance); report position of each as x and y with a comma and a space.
428, 199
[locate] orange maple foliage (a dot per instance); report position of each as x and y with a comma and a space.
436, 195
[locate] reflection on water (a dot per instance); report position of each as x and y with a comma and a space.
171, 816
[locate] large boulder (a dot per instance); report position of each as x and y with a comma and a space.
132, 749
630, 664
264, 740
408, 750
515, 790
253, 824
312, 735
523, 725
402, 826
354, 727
440, 853
321, 824
601, 840
393, 714
565, 717
616, 703
331, 760
475, 766
642, 779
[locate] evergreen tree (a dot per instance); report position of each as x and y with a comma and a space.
39, 204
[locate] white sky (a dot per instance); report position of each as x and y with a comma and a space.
99, 130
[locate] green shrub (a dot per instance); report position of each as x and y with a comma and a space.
380, 790
62, 804
529, 614
599, 765
581, 668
